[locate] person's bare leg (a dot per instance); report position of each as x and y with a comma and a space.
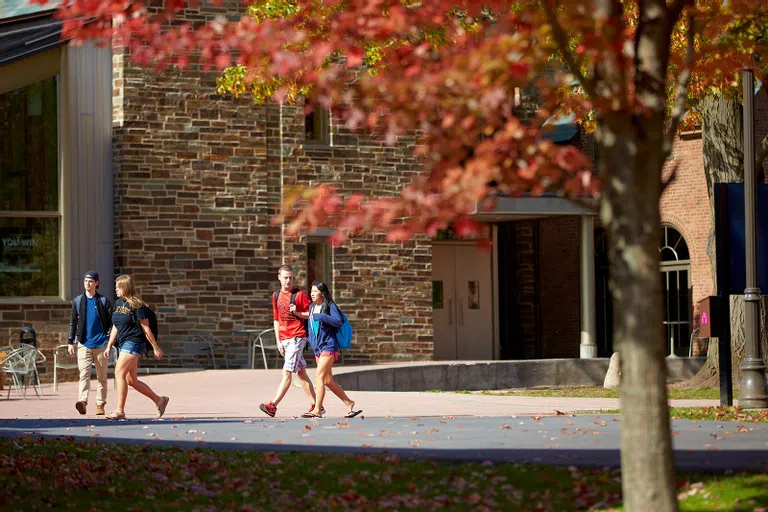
141, 387
320, 377
122, 370
306, 384
335, 388
282, 389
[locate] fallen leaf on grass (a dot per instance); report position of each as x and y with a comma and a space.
272, 458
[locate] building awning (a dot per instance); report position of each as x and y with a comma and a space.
22, 37
527, 207
560, 129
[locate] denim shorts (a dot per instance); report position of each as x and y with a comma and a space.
135, 348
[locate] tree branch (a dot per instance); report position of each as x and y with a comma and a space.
681, 90
676, 8
670, 179
561, 39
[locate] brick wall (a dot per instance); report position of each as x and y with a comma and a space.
384, 288
192, 207
198, 178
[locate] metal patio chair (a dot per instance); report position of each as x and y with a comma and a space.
62, 360
21, 365
265, 340
211, 344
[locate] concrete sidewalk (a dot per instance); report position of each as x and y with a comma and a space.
237, 394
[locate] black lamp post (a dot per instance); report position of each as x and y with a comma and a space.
753, 391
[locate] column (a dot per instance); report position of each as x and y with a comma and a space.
588, 346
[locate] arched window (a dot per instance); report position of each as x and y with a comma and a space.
676, 288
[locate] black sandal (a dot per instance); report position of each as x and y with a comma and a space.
352, 414
311, 415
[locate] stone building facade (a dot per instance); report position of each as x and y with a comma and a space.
198, 179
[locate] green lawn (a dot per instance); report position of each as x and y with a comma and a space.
596, 392
717, 413
720, 414
66, 474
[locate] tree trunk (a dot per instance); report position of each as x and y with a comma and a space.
723, 148
632, 144
630, 212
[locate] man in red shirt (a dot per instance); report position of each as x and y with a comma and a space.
290, 310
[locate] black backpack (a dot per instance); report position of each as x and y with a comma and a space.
295, 292
152, 317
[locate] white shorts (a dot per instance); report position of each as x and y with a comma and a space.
294, 354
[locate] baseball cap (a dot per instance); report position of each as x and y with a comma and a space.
92, 274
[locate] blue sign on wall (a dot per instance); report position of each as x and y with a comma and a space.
730, 233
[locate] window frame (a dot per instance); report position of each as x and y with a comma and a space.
322, 121
327, 270
30, 74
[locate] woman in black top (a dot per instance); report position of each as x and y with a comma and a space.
130, 328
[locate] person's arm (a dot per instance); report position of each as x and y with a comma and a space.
108, 312
276, 325
144, 323
334, 319
110, 343
72, 329
300, 309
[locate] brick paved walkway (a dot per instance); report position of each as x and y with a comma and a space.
237, 394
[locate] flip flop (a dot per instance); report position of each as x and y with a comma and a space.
311, 415
352, 414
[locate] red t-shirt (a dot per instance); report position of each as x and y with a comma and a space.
291, 326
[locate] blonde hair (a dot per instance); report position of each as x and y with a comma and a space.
128, 291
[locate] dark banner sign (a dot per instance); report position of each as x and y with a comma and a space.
730, 233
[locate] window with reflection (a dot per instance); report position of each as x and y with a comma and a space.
30, 219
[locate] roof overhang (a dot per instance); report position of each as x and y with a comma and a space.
519, 208
24, 36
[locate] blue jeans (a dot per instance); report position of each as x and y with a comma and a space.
135, 348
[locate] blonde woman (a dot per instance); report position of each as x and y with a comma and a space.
130, 329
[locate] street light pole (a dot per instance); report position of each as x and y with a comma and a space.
753, 391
